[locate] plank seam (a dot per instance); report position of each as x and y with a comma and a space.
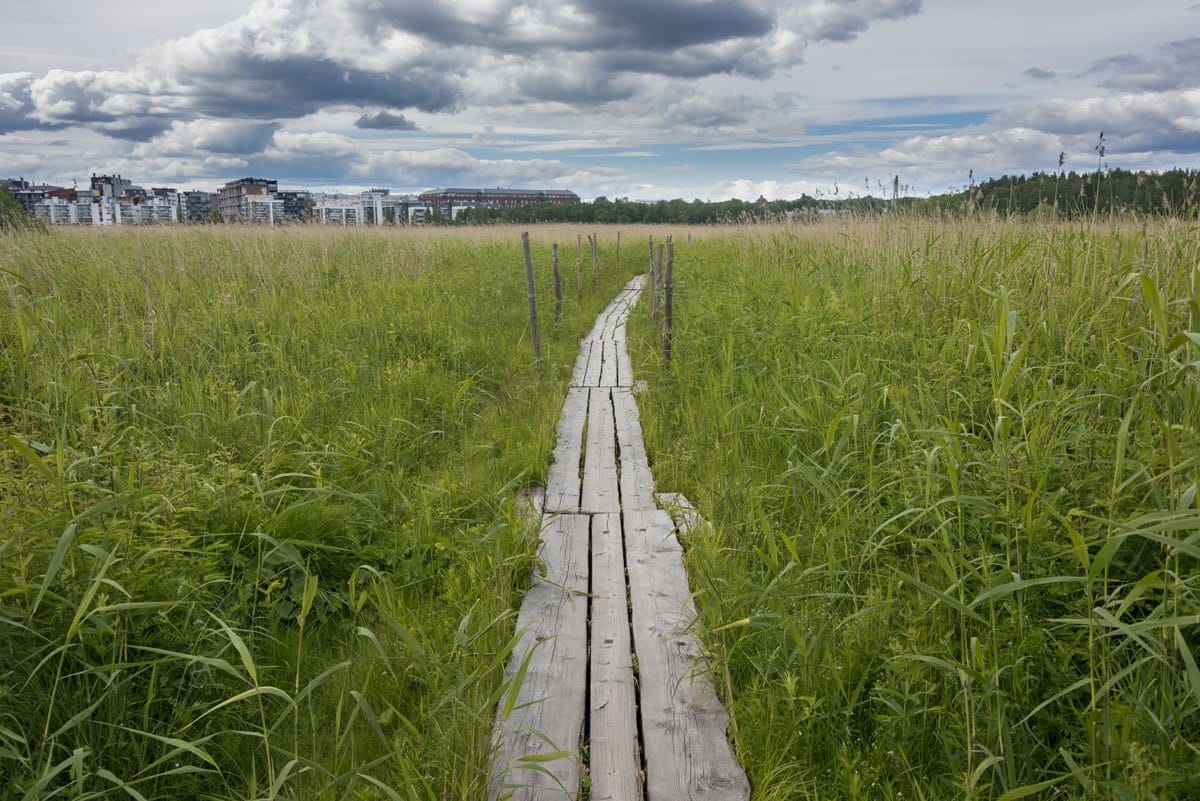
585, 734
637, 669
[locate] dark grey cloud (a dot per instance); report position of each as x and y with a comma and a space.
1159, 121
637, 24
137, 106
516, 26
1040, 74
286, 59
576, 87
134, 129
296, 85
1177, 67
16, 105
384, 121
213, 137
843, 21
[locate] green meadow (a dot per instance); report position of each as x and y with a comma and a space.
260, 537
950, 470
257, 525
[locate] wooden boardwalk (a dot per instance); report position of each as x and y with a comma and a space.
607, 664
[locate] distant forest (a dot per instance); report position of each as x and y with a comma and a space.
1067, 195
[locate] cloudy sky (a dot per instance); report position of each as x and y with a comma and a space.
624, 98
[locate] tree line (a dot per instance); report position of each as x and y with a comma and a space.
1072, 194
1065, 194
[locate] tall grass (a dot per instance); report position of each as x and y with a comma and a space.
952, 471
257, 532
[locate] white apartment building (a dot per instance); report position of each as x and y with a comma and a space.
261, 209
374, 207
57, 211
106, 210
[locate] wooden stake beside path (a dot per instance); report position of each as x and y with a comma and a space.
533, 323
579, 265
593, 239
609, 555
669, 293
557, 284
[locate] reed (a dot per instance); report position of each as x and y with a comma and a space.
257, 521
951, 470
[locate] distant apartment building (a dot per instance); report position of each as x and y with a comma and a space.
157, 209
448, 202
112, 186
60, 211
28, 195
373, 207
249, 200
381, 207
262, 210
195, 206
297, 205
166, 193
83, 207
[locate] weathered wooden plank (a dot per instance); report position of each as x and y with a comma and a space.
531, 502
637, 482
581, 362
624, 365
686, 516
600, 491
621, 312
591, 377
613, 318
613, 748
563, 481
608, 367
549, 702
683, 722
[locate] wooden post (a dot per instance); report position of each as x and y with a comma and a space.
579, 265
618, 256
595, 258
533, 324
650, 272
557, 284
657, 278
670, 291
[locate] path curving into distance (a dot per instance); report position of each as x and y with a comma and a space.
607, 665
